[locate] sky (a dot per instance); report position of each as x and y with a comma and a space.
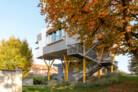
22, 19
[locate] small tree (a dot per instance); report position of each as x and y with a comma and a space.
14, 53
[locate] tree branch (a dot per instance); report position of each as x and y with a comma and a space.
118, 1
134, 34
134, 15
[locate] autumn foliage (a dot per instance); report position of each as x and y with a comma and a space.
114, 22
15, 54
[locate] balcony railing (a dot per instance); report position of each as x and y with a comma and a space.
54, 39
75, 48
78, 49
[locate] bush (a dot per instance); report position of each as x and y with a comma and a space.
59, 84
37, 79
94, 81
105, 80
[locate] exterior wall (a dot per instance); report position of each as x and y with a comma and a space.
39, 49
11, 81
28, 82
54, 47
39, 37
44, 47
44, 41
41, 42
60, 75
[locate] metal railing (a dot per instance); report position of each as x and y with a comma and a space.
75, 48
91, 53
78, 49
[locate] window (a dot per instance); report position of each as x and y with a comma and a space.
60, 33
54, 36
57, 35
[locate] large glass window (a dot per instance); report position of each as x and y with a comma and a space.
52, 37
55, 36
60, 33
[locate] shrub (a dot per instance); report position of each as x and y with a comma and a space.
59, 84
37, 79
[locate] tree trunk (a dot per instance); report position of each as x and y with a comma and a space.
127, 27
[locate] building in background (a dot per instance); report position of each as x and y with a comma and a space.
42, 70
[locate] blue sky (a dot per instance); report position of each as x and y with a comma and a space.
22, 19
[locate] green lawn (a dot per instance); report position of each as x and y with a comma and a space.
124, 84
47, 89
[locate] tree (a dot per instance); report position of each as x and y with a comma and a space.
108, 20
14, 53
27, 53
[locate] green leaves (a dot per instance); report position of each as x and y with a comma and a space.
14, 53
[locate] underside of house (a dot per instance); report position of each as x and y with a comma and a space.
76, 50
58, 45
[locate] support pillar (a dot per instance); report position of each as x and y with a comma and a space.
99, 58
84, 63
48, 74
112, 68
99, 73
64, 70
49, 66
66, 67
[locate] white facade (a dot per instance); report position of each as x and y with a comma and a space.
53, 42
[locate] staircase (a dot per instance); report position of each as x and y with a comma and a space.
89, 71
93, 70
76, 50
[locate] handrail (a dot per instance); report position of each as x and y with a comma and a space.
93, 47
78, 48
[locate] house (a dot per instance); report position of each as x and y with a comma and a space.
42, 70
58, 45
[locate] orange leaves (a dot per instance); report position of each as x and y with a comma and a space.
130, 41
122, 33
96, 19
41, 1
89, 24
100, 13
40, 5
92, 2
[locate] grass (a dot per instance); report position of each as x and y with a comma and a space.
47, 89
109, 83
